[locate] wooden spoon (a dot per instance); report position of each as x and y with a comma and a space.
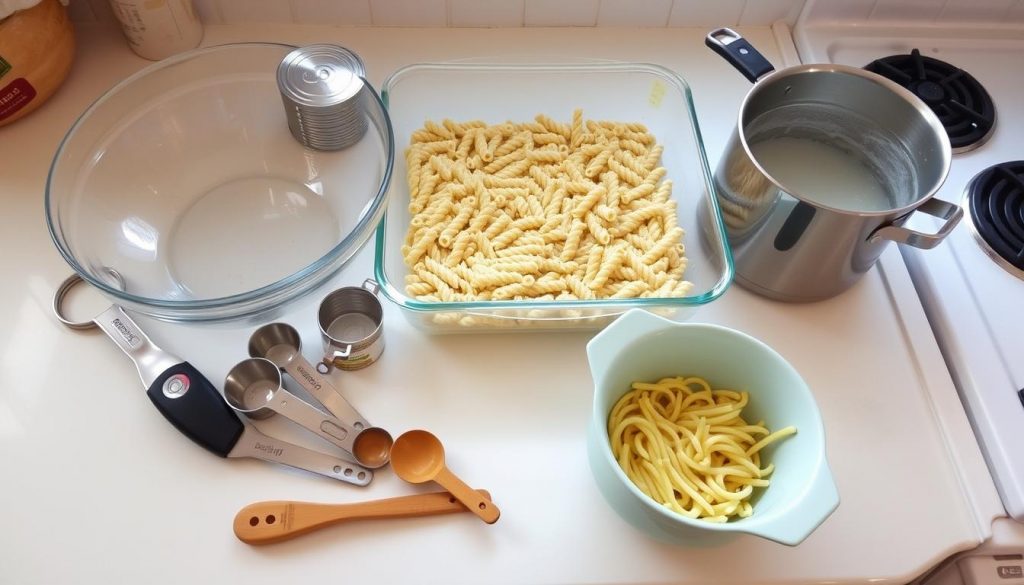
274, 521
418, 457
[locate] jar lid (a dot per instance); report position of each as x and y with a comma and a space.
320, 75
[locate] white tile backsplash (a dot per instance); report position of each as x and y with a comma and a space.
486, 13
561, 12
651, 13
604, 13
919, 10
332, 12
426, 13
247, 11
476, 13
823, 10
975, 10
769, 11
705, 13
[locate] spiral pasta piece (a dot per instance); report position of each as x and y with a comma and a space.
542, 210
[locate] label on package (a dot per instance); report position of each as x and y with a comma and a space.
16, 95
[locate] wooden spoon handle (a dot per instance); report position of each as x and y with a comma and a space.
274, 521
481, 506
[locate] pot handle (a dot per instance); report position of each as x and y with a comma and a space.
934, 207
739, 53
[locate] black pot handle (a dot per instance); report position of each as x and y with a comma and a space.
739, 52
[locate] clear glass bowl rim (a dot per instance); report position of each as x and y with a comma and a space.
249, 299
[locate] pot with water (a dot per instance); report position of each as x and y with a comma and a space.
825, 166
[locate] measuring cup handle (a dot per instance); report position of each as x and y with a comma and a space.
739, 53
255, 444
190, 402
328, 364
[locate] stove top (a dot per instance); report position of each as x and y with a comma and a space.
994, 206
961, 102
970, 285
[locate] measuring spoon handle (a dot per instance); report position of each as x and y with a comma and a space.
320, 388
150, 360
255, 444
275, 521
305, 414
190, 402
178, 390
480, 506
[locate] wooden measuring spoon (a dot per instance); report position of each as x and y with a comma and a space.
418, 457
274, 521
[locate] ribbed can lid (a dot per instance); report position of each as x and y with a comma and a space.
320, 75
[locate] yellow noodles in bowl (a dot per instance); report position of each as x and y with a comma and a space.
688, 447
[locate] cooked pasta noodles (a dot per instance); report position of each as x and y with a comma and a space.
579, 208
689, 448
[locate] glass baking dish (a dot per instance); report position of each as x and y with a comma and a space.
500, 92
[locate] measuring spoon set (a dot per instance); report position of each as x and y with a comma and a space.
255, 388
190, 402
350, 321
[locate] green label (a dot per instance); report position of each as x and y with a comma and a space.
4, 67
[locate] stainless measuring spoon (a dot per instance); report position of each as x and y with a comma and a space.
190, 402
280, 343
255, 388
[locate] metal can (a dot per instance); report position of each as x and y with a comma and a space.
323, 89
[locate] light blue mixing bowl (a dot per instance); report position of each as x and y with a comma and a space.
642, 346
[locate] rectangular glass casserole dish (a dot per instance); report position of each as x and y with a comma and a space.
496, 93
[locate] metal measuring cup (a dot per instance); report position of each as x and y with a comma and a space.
255, 388
351, 326
189, 401
280, 343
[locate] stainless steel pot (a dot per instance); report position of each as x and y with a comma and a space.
825, 166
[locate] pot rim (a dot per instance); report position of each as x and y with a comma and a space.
922, 109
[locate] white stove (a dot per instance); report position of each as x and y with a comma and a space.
973, 296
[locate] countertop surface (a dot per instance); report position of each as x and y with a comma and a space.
99, 488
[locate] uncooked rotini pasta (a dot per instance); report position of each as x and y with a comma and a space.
540, 210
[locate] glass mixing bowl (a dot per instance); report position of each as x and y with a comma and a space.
184, 179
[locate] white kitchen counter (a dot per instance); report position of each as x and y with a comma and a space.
98, 488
